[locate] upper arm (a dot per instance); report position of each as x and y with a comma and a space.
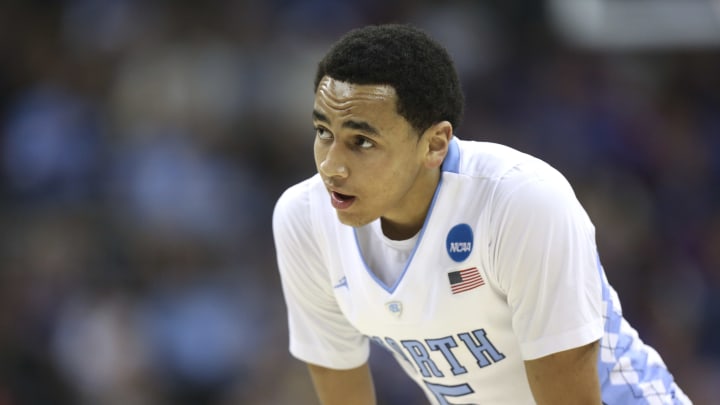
343, 387
544, 258
567, 377
319, 331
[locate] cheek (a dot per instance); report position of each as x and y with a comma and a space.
318, 154
388, 178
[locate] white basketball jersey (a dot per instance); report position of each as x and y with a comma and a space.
505, 269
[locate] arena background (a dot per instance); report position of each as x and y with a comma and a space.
144, 143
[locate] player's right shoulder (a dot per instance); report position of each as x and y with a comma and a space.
299, 194
295, 203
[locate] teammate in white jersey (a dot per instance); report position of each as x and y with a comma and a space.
472, 263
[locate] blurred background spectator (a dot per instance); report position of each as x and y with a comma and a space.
143, 145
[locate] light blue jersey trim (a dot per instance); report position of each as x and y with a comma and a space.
452, 159
630, 372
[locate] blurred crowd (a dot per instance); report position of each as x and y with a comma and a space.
143, 145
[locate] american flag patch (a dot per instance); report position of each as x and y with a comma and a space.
464, 280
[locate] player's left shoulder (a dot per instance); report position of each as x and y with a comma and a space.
498, 162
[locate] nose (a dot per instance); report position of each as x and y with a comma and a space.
332, 164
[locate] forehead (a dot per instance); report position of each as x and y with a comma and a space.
348, 97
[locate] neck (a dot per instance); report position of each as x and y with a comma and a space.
414, 213
396, 231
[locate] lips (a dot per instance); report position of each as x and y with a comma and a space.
341, 201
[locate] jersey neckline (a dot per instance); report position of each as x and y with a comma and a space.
450, 164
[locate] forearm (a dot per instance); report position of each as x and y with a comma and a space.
343, 387
568, 377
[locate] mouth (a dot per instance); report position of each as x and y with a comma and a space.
341, 201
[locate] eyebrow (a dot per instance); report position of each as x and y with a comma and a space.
356, 125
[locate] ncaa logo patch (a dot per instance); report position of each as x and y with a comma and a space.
459, 242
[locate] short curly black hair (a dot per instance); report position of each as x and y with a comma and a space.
419, 69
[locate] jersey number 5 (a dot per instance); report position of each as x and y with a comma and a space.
442, 392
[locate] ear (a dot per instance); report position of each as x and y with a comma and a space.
438, 139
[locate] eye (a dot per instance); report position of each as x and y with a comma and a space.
363, 142
322, 133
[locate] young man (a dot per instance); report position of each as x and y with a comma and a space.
473, 263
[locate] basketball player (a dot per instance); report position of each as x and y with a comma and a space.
472, 263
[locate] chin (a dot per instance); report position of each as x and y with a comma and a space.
353, 220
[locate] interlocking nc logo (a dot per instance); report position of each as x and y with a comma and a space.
395, 308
